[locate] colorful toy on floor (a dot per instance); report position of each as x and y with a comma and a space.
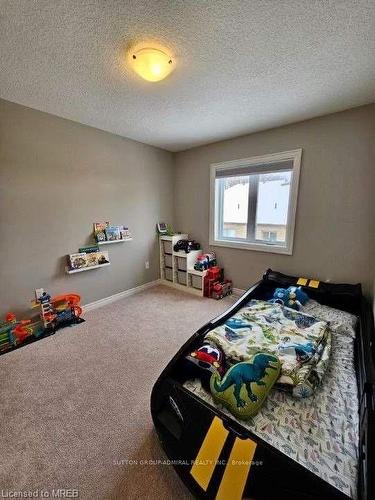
54, 313
203, 362
13, 332
292, 297
59, 311
246, 385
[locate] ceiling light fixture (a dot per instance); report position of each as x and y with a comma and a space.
152, 64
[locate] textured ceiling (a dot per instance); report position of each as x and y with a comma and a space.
241, 66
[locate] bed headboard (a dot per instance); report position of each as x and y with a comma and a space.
339, 295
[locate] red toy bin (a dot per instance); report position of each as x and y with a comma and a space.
214, 272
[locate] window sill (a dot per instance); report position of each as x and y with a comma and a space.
258, 247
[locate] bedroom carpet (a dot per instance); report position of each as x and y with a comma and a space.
75, 406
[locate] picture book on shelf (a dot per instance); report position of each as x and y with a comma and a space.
92, 259
125, 233
112, 233
89, 249
77, 260
103, 258
99, 230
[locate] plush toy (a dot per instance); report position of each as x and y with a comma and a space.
246, 385
203, 362
292, 297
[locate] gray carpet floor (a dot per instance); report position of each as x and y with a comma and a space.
75, 406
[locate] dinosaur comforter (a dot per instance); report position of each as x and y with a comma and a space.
301, 342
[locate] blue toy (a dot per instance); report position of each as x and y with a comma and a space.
292, 297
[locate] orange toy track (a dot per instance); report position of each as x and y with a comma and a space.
77, 311
73, 298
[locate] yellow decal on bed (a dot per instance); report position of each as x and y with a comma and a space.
209, 453
237, 470
302, 281
314, 283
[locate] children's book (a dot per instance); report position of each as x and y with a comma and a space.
103, 257
99, 230
89, 249
125, 233
92, 259
77, 260
112, 233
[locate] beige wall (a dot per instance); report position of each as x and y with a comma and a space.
334, 234
56, 178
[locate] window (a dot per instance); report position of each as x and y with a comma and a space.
269, 235
253, 202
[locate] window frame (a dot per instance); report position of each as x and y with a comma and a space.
295, 157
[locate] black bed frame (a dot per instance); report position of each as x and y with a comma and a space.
182, 420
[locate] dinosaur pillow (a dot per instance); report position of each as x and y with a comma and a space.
246, 385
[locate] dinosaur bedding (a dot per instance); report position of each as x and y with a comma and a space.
319, 432
300, 341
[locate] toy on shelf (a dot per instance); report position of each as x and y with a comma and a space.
163, 228
221, 290
205, 261
186, 245
292, 297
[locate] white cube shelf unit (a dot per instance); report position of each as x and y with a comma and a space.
177, 268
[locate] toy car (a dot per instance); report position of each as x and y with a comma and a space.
186, 245
209, 357
221, 290
205, 261
204, 361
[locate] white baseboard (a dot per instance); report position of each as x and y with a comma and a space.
120, 295
126, 293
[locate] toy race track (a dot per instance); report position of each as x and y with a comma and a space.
54, 313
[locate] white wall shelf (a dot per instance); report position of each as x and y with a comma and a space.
88, 268
114, 241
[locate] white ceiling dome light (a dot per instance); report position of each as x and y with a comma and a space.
152, 64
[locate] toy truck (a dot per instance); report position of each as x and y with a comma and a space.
221, 290
205, 261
